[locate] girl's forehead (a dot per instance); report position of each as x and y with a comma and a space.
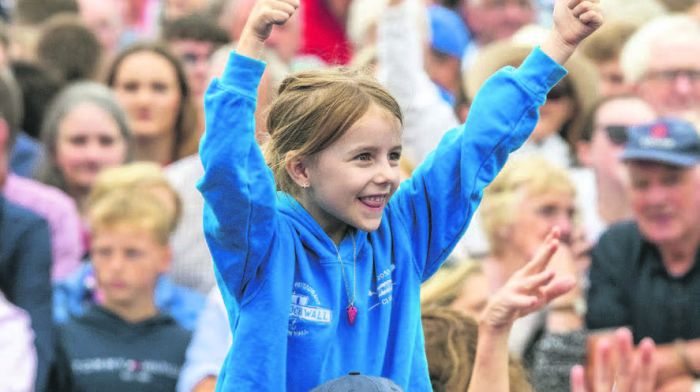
375, 123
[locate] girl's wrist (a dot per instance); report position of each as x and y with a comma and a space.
557, 48
250, 45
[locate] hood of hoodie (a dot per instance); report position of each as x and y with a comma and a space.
99, 318
316, 241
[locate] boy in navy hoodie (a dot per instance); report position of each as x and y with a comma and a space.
125, 343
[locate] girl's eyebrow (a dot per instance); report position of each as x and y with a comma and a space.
371, 148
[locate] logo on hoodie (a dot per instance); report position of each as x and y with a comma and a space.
306, 308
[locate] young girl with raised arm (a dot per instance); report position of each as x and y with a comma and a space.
318, 252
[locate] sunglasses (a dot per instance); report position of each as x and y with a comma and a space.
618, 134
560, 90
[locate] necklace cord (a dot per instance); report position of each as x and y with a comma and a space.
351, 300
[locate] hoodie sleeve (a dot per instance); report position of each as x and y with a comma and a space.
238, 187
436, 204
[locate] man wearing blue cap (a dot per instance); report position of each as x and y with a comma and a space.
449, 38
645, 272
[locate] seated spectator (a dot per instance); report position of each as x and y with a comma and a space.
84, 131
106, 20
25, 251
152, 87
193, 39
68, 46
146, 347
450, 345
460, 286
526, 200
644, 272
17, 352
39, 86
25, 276
401, 69
603, 49
75, 295
662, 62
28, 17
490, 21
51, 204
562, 115
448, 42
602, 181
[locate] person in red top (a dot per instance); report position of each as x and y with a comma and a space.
323, 31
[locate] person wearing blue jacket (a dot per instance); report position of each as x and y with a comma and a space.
318, 251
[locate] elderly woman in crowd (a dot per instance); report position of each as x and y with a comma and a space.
84, 131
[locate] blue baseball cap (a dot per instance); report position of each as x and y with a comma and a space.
448, 34
354, 381
667, 140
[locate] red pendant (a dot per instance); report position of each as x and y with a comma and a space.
352, 313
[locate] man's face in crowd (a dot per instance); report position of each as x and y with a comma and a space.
665, 201
672, 82
490, 20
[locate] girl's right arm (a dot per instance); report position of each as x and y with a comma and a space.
238, 187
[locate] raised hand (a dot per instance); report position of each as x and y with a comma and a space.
258, 27
528, 290
574, 20
617, 367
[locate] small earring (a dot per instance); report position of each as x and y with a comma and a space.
305, 185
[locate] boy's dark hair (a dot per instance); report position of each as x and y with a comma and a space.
196, 27
69, 46
10, 104
37, 11
39, 84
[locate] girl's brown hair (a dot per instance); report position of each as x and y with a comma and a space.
450, 346
315, 108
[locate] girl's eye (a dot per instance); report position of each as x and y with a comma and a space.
395, 156
363, 157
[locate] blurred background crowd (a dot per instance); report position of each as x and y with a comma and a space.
104, 272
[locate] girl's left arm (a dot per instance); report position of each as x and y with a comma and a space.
437, 203
440, 199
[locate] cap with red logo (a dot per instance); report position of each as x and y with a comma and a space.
667, 140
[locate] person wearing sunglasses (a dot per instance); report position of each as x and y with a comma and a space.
561, 117
645, 272
603, 137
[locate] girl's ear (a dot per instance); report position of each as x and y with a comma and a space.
297, 168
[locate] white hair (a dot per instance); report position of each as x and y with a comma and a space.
635, 11
636, 54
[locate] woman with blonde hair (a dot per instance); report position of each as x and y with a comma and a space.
450, 345
525, 201
459, 286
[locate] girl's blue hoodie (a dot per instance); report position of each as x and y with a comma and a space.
279, 272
